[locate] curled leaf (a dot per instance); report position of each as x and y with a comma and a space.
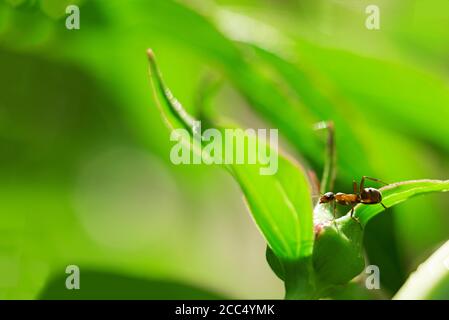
280, 201
396, 193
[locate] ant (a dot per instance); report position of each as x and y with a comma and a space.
363, 195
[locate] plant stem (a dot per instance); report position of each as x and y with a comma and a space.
299, 280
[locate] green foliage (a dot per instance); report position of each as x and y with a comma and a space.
430, 280
344, 239
67, 96
97, 285
280, 204
338, 254
399, 192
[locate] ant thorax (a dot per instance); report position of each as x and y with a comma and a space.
346, 199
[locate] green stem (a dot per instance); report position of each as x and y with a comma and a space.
299, 280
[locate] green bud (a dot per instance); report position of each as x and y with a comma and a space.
338, 253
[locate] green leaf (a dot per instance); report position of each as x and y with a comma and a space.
414, 88
95, 284
281, 206
430, 280
396, 193
319, 98
280, 203
275, 264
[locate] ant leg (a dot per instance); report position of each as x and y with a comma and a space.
355, 218
354, 184
384, 206
362, 182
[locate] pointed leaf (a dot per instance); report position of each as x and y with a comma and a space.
280, 203
398, 192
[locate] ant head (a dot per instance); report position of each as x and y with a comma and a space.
371, 195
327, 197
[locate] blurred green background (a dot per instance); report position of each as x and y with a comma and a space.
85, 175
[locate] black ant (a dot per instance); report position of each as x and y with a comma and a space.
363, 195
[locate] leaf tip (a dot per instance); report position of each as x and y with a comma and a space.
150, 54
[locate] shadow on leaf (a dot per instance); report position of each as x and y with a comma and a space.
108, 285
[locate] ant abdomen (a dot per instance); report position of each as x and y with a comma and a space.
370, 196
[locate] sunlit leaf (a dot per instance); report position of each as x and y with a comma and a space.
322, 100
430, 280
399, 192
280, 203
